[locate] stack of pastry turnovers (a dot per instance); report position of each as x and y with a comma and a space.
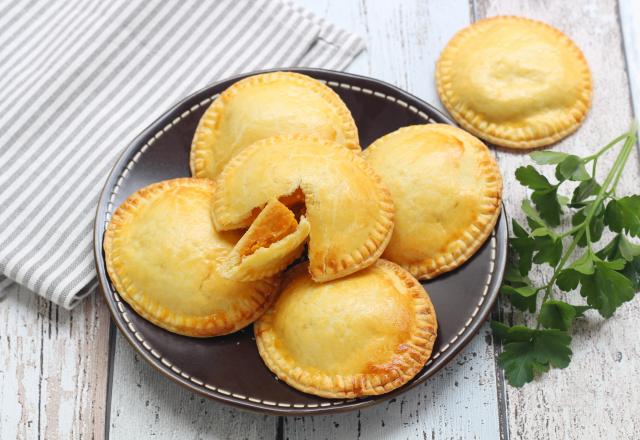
288, 224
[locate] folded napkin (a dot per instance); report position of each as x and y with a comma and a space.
80, 79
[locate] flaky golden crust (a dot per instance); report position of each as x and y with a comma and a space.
162, 262
384, 330
273, 241
446, 187
276, 103
515, 82
348, 208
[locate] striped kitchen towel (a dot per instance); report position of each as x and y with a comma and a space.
79, 79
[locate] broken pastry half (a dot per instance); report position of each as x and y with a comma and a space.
348, 209
446, 188
272, 242
365, 334
162, 253
515, 82
266, 105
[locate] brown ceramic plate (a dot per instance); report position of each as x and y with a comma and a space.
229, 368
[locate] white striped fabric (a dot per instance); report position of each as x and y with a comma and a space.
80, 78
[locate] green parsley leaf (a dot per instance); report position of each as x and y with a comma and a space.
499, 329
586, 189
552, 346
571, 168
544, 196
533, 218
596, 225
528, 176
568, 279
548, 157
549, 250
523, 247
547, 204
584, 264
628, 250
557, 314
606, 278
528, 352
523, 298
632, 272
581, 309
606, 289
520, 363
623, 215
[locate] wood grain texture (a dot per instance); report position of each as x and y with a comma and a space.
403, 41
629, 13
53, 367
593, 397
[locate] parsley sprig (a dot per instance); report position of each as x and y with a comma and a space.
606, 276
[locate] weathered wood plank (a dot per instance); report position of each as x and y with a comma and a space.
629, 13
144, 403
53, 367
458, 403
592, 398
403, 42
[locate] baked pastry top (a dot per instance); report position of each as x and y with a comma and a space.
266, 105
162, 251
349, 210
515, 82
272, 242
446, 187
365, 334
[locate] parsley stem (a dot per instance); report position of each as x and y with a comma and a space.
604, 149
631, 140
556, 270
573, 230
612, 178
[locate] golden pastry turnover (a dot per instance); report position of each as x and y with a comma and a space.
349, 210
266, 105
515, 82
162, 251
272, 242
365, 334
446, 188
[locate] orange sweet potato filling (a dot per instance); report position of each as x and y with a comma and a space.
272, 224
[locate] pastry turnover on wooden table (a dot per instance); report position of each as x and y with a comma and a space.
280, 180
514, 82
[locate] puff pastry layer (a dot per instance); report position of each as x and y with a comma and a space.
348, 208
272, 242
266, 105
446, 187
162, 251
365, 334
515, 82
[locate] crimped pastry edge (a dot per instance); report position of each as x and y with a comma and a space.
240, 268
445, 262
345, 264
572, 121
210, 118
353, 386
149, 309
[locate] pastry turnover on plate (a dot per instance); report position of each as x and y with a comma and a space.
446, 188
515, 82
266, 105
349, 210
272, 242
162, 253
361, 335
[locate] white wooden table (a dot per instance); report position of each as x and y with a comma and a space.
70, 375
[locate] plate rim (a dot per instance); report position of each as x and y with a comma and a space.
500, 232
